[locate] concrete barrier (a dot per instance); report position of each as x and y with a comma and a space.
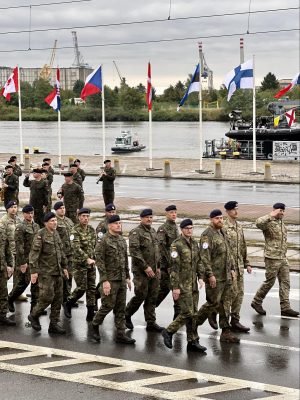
268, 173
218, 169
26, 163
167, 169
117, 165
26, 150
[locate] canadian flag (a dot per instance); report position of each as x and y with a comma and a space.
11, 86
290, 116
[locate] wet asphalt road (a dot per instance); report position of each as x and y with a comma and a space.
269, 354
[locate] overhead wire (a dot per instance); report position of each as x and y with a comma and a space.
44, 4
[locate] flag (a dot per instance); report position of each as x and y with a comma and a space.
11, 86
240, 77
149, 89
93, 84
276, 121
53, 99
295, 81
193, 86
290, 116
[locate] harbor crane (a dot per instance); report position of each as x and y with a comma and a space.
122, 79
78, 60
45, 72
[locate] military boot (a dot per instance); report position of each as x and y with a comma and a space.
96, 333
289, 313
122, 338
195, 346
228, 337
128, 322
35, 322
153, 327
90, 313
67, 306
237, 326
6, 321
167, 338
258, 308
55, 328
212, 320
11, 305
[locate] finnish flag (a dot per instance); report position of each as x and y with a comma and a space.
240, 77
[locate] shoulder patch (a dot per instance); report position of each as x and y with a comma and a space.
205, 245
72, 237
100, 235
174, 254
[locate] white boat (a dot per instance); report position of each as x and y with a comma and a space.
127, 142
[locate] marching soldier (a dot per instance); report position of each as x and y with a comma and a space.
77, 178
72, 195
108, 177
144, 250
17, 169
102, 227
79, 170
49, 176
48, 161
112, 263
276, 263
184, 276
10, 185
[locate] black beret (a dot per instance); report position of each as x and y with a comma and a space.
58, 204
8, 166
110, 207
73, 165
28, 208
45, 164
38, 171
171, 208
231, 205
48, 216
146, 212
278, 206
84, 211
46, 159
106, 161
68, 173
215, 213
13, 158
10, 204
186, 222
113, 218
77, 160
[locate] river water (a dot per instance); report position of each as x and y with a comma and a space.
170, 139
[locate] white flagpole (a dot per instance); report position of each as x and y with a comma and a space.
59, 138
254, 118
103, 118
20, 117
150, 139
200, 109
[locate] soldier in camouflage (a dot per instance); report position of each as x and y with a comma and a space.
112, 263
77, 178
185, 274
167, 233
24, 234
218, 266
17, 172
235, 234
276, 263
72, 195
83, 240
49, 177
79, 170
107, 177
10, 185
48, 161
144, 250
48, 266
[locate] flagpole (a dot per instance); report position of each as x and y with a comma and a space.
59, 139
20, 118
150, 139
200, 109
254, 118
103, 118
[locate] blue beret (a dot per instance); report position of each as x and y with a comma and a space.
110, 207
113, 218
146, 212
48, 216
215, 213
171, 208
186, 222
28, 208
231, 205
84, 211
58, 204
278, 206
10, 204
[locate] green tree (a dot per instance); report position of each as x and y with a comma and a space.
131, 98
269, 82
41, 89
77, 88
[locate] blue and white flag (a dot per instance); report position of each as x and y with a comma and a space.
240, 77
193, 86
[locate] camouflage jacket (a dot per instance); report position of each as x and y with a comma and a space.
112, 258
13, 183
81, 173
38, 192
186, 265
24, 235
108, 179
6, 256
238, 246
83, 243
73, 196
102, 228
77, 178
8, 226
144, 248
17, 170
215, 255
64, 228
166, 234
47, 256
275, 233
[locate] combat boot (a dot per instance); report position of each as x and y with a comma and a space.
289, 313
128, 322
228, 337
154, 327
90, 313
237, 326
195, 346
6, 321
55, 328
35, 322
67, 306
96, 333
122, 338
212, 320
11, 305
258, 308
167, 338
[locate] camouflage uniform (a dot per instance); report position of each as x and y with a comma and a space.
17, 172
64, 228
108, 189
73, 199
112, 263
48, 260
234, 298
77, 178
81, 173
38, 198
24, 234
216, 261
144, 250
49, 178
6, 259
166, 233
276, 263
185, 270
83, 246
102, 227
11, 191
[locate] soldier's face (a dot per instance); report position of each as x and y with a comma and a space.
147, 220
187, 231
109, 213
36, 175
51, 224
115, 228
61, 212
12, 210
73, 170
9, 171
28, 216
68, 179
84, 219
107, 165
217, 222
171, 215
233, 213
280, 214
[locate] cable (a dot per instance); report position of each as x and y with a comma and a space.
153, 41
248, 28
150, 21
45, 4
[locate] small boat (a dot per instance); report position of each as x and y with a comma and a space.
127, 142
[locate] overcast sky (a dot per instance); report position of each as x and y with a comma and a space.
171, 61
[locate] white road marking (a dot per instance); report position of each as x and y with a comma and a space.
138, 386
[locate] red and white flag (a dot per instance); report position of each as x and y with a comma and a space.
53, 99
290, 116
149, 89
295, 81
11, 86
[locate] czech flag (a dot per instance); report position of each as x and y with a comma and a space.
93, 84
295, 81
11, 85
53, 99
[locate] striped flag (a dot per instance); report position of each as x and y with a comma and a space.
11, 85
193, 86
295, 81
240, 77
149, 89
93, 83
53, 99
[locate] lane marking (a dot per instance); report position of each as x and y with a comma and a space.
215, 384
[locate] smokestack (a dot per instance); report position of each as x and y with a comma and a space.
242, 59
